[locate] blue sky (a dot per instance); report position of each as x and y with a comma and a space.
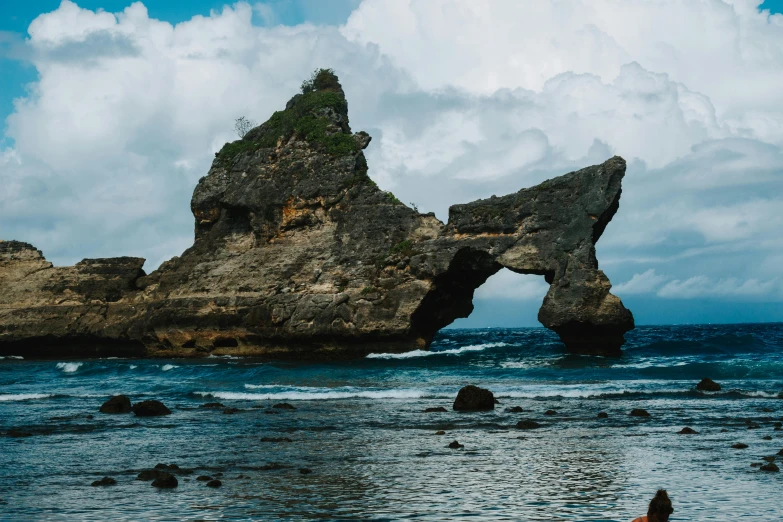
463, 100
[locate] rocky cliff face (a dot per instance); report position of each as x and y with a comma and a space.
297, 253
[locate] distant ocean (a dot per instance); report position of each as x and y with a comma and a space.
374, 454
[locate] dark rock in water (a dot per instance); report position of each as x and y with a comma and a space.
724, 430
17, 433
753, 426
203, 478
105, 481
526, 424
214, 483
150, 474
497, 401
771, 466
271, 412
150, 409
270, 467
117, 404
165, 481
756, 464
212, 405
455, 445
473, 398
780, 453
778, 424
638, 412
230, 411
550, 412
767, 437
688, 431
602, 415
284, 406
771, 458
275, 439
305, 471
169, 467
441, 432
439, 409
515, 409
296, 188
708, 385
739, 445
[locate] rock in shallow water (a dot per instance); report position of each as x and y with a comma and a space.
214, 483
739, 445
771, 466
688, 431
526, 424
602, 415
708, 385
150, 408
117, 404
165, 481
473, 398
638, 412
284, 406
105, 481
439, 409
455, 445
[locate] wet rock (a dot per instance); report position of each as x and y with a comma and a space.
441, 432
550, 412
778, 424
708, 385
767, 437
214, 483
271, 412
271, 466
231, 411
150, 408
284, 406
455, 445
439, 409
473, 398
724, 430
527, 424
739, 445
602, 415
151, 474
771, 458
753, 426
105, 481
275, 439
780, 453
204, 478
165, 481
688, 431
638, 412
168, 467
117, 404
756, 464
212, 405
515, 409
771, 466
305, 471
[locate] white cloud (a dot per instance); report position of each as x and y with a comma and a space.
463, 99
643, 283
702, 286
508, 285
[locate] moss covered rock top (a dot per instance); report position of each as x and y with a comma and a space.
318, 115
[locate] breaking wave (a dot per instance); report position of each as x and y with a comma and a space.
306, 393
24, 396
69, 367
427, 353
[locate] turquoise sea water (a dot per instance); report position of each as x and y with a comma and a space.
374, 455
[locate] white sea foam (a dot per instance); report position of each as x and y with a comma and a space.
427, 353
132, 366
167, 367
12, 357
306, 393
69, 367
23, 396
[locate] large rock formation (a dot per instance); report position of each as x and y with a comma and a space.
297, 253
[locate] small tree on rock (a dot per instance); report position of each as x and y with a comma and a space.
321, 80
242, 126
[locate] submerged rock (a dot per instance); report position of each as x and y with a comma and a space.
324, 264
230, 411
515, 409
638, 412
441, 432
275, 439
526, 424
150, 408
550, 412
105, 481
455, 445
212, 405
203, 478
165, 481
117, 404
602, 415
688, 431
473, 398
305, 471
439, 409
739, 445
708, 385
770, 466
284, 406
215, 483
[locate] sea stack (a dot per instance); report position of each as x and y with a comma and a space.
299, 254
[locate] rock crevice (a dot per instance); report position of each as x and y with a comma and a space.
297, 253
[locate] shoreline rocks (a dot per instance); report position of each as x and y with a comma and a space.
116, 404
150, 408
473, 398
709, 385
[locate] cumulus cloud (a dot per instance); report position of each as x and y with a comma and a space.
463, 100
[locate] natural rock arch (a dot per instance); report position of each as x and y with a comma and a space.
297, 253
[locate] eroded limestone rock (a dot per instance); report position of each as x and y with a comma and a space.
299, 254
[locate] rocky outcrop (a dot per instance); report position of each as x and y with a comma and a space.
299, 254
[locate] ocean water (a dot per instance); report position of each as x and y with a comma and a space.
374, 454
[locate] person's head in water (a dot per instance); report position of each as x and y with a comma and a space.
660, 507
